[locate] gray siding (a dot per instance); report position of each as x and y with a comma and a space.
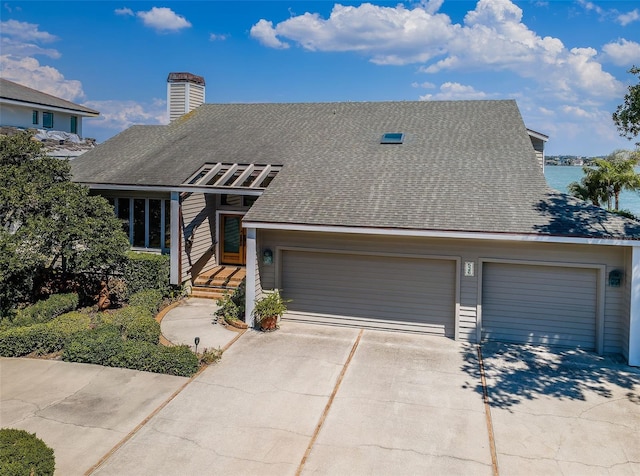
368, 290
513, 310
466, 250
198, 234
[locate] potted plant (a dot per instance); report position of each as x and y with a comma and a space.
269, 309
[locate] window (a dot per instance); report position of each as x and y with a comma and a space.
392, 138
74, 125
47, 120
146, 221
35, 117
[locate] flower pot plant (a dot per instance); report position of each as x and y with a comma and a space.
269, 309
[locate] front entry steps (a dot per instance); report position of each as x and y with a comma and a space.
217, 282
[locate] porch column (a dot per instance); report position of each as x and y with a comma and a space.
634, 309
174, 276
252, 264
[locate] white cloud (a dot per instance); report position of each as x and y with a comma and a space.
423, 85
625, 18
454, 91
264, 32
491, 38
124, 12
622, 52
163, 19
25, 31
29, 72
217, 37
590, 6
119, 115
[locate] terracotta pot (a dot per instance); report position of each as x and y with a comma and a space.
269, 323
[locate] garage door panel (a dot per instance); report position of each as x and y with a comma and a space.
539, 304
371, 291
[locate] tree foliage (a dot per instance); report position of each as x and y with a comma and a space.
603, 183
627, 116
47, 221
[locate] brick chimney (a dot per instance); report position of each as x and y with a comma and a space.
185, 92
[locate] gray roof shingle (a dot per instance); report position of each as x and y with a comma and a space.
18, 92
463, 166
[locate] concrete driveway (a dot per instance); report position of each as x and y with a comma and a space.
313, 399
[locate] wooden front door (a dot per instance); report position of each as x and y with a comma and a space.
233, 240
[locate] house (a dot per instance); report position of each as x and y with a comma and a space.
427, 216
56, 120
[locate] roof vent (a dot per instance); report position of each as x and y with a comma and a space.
392, 138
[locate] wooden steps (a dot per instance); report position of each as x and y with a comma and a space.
217, 282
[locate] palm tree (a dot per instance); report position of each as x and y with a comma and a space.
611, 175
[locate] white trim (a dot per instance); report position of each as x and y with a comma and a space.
470, 235
170, 188
175, 251
538, 135
250, 283
634, 309
600, 291
47, 107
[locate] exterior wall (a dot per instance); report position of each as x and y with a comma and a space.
466, 251
538, 146
19, 116
198, 234
183, 97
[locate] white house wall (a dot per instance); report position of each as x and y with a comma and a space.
615, 306
19, 116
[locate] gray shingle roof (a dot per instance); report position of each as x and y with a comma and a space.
18, 92
463, 166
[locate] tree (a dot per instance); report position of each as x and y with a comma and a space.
48, 222
627, 116
604, 182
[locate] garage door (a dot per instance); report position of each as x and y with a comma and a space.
410, 294
539, 305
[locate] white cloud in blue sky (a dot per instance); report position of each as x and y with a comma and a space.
564, 62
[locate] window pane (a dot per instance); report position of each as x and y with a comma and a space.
74, 125
123, 214
154, 223
167, 224
35, 117
47, 119
138, 222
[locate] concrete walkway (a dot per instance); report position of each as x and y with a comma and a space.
194, 317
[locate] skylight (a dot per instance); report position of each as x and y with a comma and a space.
392, 138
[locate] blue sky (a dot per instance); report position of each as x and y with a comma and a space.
565, 62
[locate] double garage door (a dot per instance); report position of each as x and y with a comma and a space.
537, 304
521, 303
410, 294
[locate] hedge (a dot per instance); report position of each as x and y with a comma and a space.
42, 338
22, 453
150, 299
44, 311
105, 346
136, 323
146, 271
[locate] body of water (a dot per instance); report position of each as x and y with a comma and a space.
559, 177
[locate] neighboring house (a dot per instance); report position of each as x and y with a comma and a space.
428, 216
56, 120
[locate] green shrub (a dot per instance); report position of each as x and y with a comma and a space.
106, 347
150, 299
42, 338
136, 323
44, 311
22, 453
146, 271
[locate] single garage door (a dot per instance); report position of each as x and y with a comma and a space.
539, 305
411, 294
